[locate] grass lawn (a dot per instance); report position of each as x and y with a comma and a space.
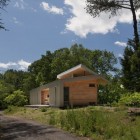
99, 123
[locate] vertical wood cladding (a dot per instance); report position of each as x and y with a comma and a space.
81, 93
44, 97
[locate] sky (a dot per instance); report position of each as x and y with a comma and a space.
36, 26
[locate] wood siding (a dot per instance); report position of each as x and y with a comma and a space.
45, 97
80, 93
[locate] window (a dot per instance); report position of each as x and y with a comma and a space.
75, 75
91, 85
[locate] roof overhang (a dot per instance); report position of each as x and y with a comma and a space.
74, 69
99, 79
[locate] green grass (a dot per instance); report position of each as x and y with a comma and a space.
98, 123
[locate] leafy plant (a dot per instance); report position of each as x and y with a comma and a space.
16, 99
130, 100
43, 109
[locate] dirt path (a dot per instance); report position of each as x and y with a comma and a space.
18, 129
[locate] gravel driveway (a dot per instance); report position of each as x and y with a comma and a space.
19, 129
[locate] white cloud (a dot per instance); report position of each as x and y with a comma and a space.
20, 4
23, 65
122, 44
7, 65
81, 23
51, 9
20, 65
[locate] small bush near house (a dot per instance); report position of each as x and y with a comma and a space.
132, 100
16, 99
43, 109
110, 93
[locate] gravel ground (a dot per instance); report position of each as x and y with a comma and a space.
19, 129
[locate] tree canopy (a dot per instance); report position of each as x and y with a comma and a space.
3, 3
50, 65
96, 7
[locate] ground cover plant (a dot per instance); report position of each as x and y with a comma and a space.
99, 123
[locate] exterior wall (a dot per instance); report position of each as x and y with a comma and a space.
55, 94
80, 93
55, 98
35, 97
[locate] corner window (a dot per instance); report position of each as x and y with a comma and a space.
91, 85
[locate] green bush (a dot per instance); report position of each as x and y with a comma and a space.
110, 93
130, 100
16, 99
11, 109
3, 104
43, 109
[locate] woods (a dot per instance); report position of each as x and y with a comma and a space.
51, 64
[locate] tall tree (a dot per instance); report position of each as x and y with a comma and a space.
96, 7
126, 63
103, 62
15, 78
3, 3
50, 65
131, 67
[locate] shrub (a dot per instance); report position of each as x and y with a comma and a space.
110, 93
11, 109
130, 100
43, 109
16, 99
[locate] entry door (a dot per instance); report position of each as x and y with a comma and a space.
66, 96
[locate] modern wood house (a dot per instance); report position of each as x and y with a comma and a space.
76, 86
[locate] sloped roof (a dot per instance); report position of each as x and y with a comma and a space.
80, 66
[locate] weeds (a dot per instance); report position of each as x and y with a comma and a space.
100, 123
43, 109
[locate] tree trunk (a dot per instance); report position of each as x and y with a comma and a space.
135, 25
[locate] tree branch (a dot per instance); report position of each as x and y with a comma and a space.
121, 6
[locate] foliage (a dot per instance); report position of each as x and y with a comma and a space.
131, 68
43, 109
3, 3
50, 65
96, 7
12, 109
15, 78
17, 98
131, 99
112, 92
5, 90
99, 123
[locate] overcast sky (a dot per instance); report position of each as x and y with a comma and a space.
36, 26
